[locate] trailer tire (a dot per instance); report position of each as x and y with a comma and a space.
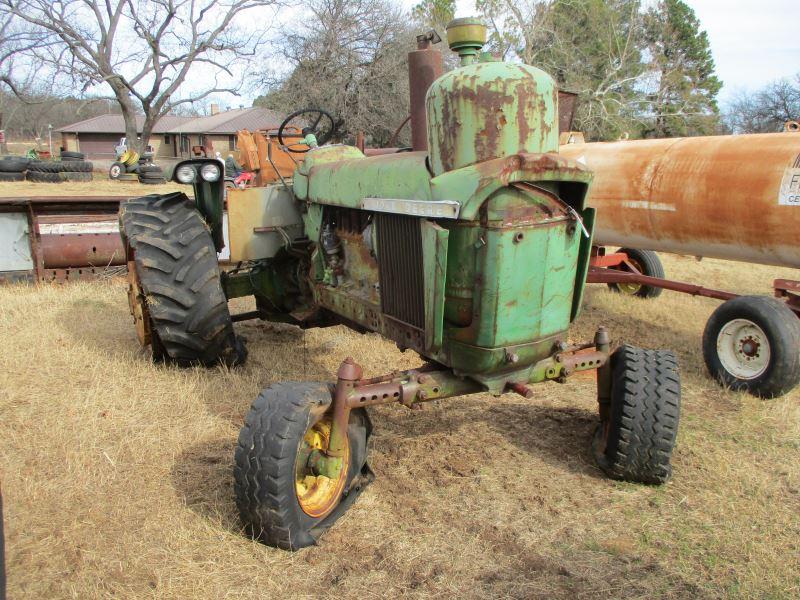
267, 473
636, 440
752, 344
13, 164
648, 263
43, 177
10, 176
176, 264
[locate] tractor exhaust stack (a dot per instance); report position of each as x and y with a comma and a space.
424, 67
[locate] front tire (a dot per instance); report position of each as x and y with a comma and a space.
280, 499
636, 440
752, 344
181, 291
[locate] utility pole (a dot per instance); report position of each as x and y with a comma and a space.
3, 144
50, 138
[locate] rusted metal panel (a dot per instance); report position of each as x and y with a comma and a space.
486, 110
261, 221
567, 103
789, 290
716, 196
82, 249
425, 66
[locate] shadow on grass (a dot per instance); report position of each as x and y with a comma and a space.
202, 476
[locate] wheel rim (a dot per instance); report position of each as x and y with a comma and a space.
317, 494
631, 289
115, 171
138, 306
743, 349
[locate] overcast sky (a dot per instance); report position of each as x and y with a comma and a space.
754, 42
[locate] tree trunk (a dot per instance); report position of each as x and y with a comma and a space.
128, 114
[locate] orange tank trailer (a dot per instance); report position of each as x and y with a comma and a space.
731, 197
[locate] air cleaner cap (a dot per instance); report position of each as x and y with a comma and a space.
466, 36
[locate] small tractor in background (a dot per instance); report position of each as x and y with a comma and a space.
130, 166
471, 249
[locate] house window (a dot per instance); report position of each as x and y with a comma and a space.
166, 140
232, 142
184, 143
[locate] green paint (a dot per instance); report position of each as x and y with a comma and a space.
353, 177
488, 110
503, 281
434, 259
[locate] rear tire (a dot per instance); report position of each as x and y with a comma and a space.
635, 443
41, 177
269, 456
13, 164
76, 176
647, 263
752, 344
45, 166
178, 272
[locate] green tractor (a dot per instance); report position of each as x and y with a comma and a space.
473, 254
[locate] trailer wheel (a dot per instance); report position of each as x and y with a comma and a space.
634, 441
752, 343
116, 170
282, 501
181, 303
647, 263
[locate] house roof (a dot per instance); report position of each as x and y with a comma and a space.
116, 124
223, 123
231, 121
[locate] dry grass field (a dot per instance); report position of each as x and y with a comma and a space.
101, 186
117, 477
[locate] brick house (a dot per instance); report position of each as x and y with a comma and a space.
173, 136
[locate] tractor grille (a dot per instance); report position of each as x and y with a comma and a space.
400, 262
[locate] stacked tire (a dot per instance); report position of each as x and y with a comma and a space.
151, 175
71, 167
12, 168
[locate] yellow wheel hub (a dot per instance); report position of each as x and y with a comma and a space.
631, 289
317, 494
138, 306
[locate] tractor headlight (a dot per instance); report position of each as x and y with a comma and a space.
185, 174
210, 172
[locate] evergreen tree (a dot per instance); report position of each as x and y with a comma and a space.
684, 101
595, 49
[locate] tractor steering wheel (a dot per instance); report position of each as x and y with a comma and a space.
323, 132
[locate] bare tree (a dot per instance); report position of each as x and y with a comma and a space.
349, 57
16, 40
767, 110
143, 50
518, 28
